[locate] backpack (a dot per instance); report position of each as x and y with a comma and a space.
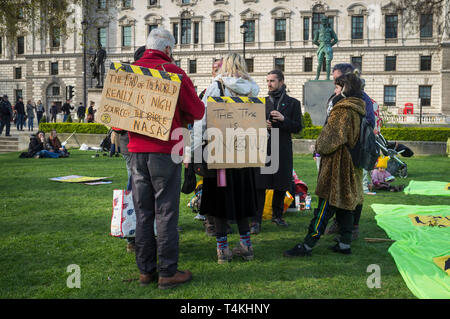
366, 152
4, 110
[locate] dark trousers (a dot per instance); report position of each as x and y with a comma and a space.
20, 121
156, 184
357, 214
319, 223
53, 118
39, 117
6, 121
222, 226
277, 204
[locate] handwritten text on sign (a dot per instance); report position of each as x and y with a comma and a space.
138, 103
238, 134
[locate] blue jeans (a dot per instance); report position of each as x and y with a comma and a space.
45, 153
30, 123
66, 116
20, 121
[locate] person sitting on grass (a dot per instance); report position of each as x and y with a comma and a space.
381, 178
37, 148
54, 145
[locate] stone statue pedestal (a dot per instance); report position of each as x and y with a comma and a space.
94, 94
317, 93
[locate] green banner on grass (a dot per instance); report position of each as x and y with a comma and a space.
418, 247
428, 188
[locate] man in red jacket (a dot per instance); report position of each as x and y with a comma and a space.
156, 178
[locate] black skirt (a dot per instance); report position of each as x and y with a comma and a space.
235, 201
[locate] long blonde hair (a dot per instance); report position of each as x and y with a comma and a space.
234, 65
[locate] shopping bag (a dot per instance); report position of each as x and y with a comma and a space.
267, 212
123, 221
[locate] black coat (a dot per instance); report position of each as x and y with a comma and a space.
66, 108
290, 108
20, 108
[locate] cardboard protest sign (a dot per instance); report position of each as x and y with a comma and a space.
139, 100
237, 132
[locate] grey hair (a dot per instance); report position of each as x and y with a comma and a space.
159, 39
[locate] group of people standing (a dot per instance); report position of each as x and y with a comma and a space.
66, 108
238, 194
19, 114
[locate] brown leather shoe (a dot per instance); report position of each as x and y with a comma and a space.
146, 279
179, 278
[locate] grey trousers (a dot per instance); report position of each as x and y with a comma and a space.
156, 188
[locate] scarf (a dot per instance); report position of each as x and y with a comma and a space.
276, 95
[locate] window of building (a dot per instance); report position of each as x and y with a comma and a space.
20, 45
175, 32
152, 2
357, 62
150, 27
101, 4
18, 73
425, 95
219, 32
306, 28
250, 34
196, 32
357, 27
178, 63
101, 36
186, 1
307, 64
66, 65
56, 37
425, 63
1, 45
279, 64
126, 36
390, 63
280, 29
192, 66
54, 68
426, 25
249, 63
185, 31
390, 93
126, 4
391, 22
55, 90
18, 94
316, 21
20, 14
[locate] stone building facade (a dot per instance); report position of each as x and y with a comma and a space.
400, 62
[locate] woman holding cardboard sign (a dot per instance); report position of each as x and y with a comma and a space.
232, 194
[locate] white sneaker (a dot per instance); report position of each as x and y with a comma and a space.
200, 217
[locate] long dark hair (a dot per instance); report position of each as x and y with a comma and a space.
351, 85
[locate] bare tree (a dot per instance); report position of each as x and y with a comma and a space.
416, 12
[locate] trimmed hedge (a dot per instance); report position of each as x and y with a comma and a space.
429, 134
82, 128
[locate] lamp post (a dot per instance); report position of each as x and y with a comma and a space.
244, 30
84, 24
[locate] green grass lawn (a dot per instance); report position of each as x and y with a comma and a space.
47, 226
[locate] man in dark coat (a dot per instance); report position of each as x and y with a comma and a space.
81, 113
66, 108
283, 113
6, 114
53, 112
19, 108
